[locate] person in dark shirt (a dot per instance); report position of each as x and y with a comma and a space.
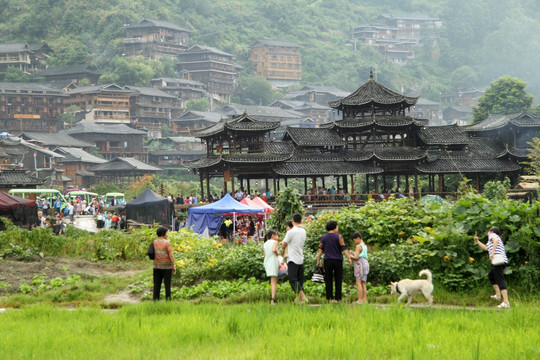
332, 244
58, 227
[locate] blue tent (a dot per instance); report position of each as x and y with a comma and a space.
209, 216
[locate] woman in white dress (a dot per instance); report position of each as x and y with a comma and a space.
271, 261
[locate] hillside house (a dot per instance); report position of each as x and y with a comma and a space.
155, 39
280, 62
72, 73
194, 120
76, 163
214, 68
29, 107
181, 88
30, 58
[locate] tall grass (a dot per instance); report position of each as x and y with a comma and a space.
259, 331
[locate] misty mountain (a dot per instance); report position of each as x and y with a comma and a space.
478, 41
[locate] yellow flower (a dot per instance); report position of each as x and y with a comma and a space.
428, 228
446, 258
471, 259
218, 244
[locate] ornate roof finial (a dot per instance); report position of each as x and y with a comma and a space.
371, 73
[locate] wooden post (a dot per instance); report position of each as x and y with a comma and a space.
477, 182
202, 187
440, 184
248, 186
352, 186
416, 190
286, 185
305, 185
208, 183
367, 184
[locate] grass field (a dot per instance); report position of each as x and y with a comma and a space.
260, 331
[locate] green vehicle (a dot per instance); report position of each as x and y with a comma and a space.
109, 196
34, 194
87, 195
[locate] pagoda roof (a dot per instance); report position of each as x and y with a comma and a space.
204, 162
124, 164
498, 121
476, 148
399, 153
380, 121
519, 152
468, 166
373, 92
316, 167
263, 157
280, 147
241, 123
443, 135
313, 137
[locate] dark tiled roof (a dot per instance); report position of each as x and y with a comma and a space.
9, 178
373, 92
520, 153
265, 157
266, 42
18, 47
443, 135
55, 139
240, 123
380, 121
76, 155
399, 153
91, 128
149, 91
68, 70
468, 166
359, 155
127, 164
497, 121
202, 163
38, 89
158, 23
193, 115
314, 137
206, 49
99, 88
167, 152
279, 147
477, 148
324, 168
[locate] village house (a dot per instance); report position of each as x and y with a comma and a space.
155, 39
30, 58
123, 170
181, 88
427, 109
318, 113
280, 62
106, 104
40, 162
194, 120
51, 141
457, 114
17, 179
75, 163
29, 107
72, 73
317, 94
172, 152
111, 141
152, 108
463, 97
216, 69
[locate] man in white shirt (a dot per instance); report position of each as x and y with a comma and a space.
294, 245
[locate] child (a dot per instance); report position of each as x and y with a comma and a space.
361, 267
271, 262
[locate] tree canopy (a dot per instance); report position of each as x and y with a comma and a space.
504, 95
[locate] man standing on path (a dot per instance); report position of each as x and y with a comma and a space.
294, 245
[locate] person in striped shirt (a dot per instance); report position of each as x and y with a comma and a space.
495, 246
164, 264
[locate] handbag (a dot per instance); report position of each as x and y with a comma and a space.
283, 269
151, 251
497, 260
318, 275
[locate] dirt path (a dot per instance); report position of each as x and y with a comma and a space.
15, 273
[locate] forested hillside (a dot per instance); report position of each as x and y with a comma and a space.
480, 41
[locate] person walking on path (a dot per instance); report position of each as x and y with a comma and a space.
294, 245
271, 261
495, 249
164, 264
361, 267
333, 245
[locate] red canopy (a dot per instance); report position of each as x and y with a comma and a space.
20, 211
261, 203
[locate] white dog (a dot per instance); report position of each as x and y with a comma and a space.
407, 288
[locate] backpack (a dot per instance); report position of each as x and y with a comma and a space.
151, 251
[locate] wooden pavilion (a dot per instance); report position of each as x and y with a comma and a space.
375, 138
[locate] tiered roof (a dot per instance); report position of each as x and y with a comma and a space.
242, 123
498, 121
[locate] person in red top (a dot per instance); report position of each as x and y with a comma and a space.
164, 264
115, 219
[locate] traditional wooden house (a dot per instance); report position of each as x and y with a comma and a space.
195, 120
123, 170
53, 140
376, 137
152, 108
155, 39
112, 141
30, 58
18, 179
181, 88
76, 162
280, 62
72, 73
29, 107
318, 113
106, 104
317, 94
214, 68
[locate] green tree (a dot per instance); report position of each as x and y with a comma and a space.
287, 204
464, 77
14, 74
535, 110
137, 71
198, 105
256, 90
67, 117
534, 156
68, 51
504, 95
84, 82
